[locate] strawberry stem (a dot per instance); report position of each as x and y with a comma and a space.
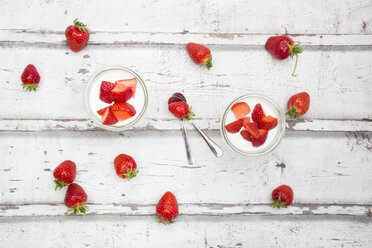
190, 115
30, 87
208, 62
130, 173
165, 222
81, 208
59, 184
294, 51
279, 204
81, 26
292, 112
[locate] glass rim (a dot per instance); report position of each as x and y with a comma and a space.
90, 110
279, 136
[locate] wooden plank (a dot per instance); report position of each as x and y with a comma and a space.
219, 16
209, 232
320, 167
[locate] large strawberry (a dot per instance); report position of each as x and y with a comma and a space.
180, 110
281, 47
298, 104
75, 199
77, 36
30, 78
200, 54
125, 166
282, 196
64, 174
167, 208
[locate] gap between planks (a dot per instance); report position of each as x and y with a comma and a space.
311, 125
22, 37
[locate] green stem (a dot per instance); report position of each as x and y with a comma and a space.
293, 73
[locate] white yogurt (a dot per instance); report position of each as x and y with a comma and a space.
113, 75
238, 141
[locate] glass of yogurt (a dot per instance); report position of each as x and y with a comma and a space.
237, 143
112, 74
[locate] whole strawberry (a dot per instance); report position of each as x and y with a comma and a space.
77, 36
75, 199
181, 110
200, 54
298, 104
167, 208
281, 47
30, 78
64, 174
282, 196
125, 166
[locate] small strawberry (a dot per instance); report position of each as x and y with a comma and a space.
281, 47
240, 109
167, 208
105, 91
176, 97
181, 110
298, 104
123, 110
200, 54
77, 36
131, 83
75, 199
282, 196
121, 93
235, 126
268, 123
246, 135
30, 78
125, 166
252, 128
64, 174
108, 118
260, 140
257, 113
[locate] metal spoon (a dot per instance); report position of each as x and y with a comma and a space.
217, 151
187, 145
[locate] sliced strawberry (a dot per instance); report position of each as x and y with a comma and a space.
121, 93
131, 83
105, 91
246, 135
108, 118
268, 123
240, 109
235, 126
123, 111
252, 128
246, 120
261, 139
257, 113
102, 111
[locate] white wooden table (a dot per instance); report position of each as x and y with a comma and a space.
326, 156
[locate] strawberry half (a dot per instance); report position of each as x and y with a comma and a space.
123, 111
257, 113
252, 128
246, 135
105, 91
235, 126
260, 140
240, 109
108, 117
268, 123
131, 83
121, 93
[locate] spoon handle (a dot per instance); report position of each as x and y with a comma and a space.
217, 151
187, 145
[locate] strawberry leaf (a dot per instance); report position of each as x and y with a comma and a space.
130, 173
292, 112
279, 204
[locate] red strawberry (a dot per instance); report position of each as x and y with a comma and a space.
102, 111
123, 110
257, 113
125, 166
280, 47
252, 128
77, 36
75, 199
240, 109
256, 142
167, 208
246, 120
282, 196
30, 78
268, 123
298, 104
200, 54
105, 91
64, 174
246, 135
235, 126
108, 118
121, 93
180, 110
176, 97
131, 83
